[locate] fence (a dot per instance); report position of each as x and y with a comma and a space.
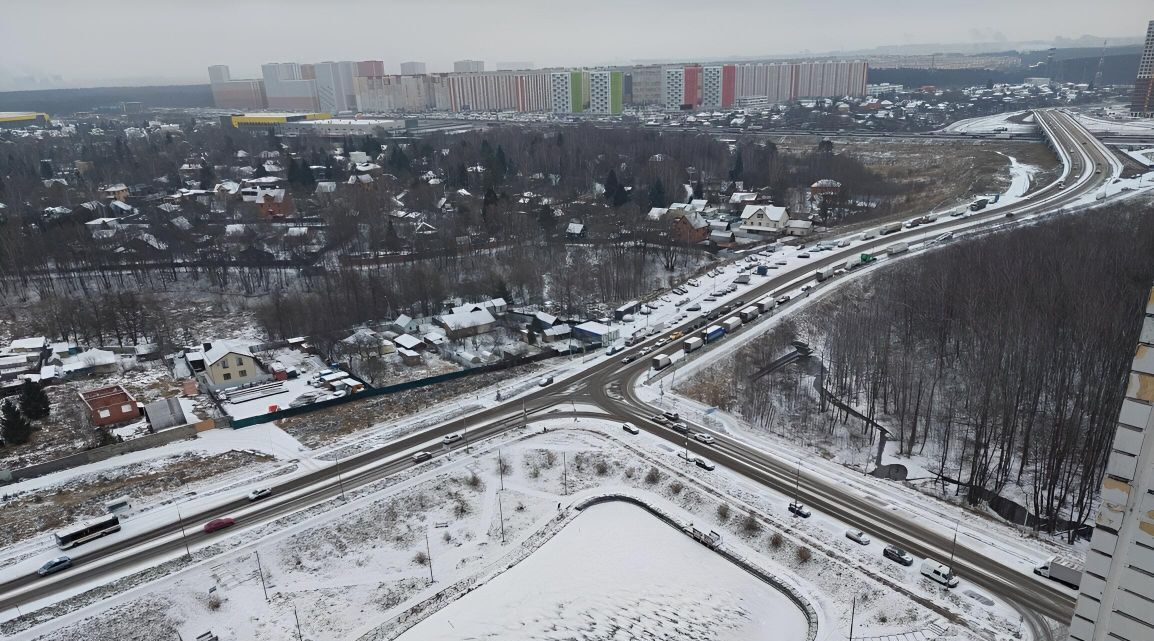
100, 453
391, 389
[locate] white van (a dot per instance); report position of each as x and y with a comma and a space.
940, 573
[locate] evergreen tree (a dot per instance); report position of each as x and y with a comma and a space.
621, 196
611, 186
292, 173
657, 196
699, 190
33, 401
207, 177
305, 174
14, 426
502, 164
260, 172
399, 160
738, 170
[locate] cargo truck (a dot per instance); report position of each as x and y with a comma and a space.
866, 235
661, 361
859, 260
762, 270
889, 228
897, 248
979, 204
824, 273
731, 324
1061, 569
743, 279
765, 303
712, 333
692, 343
749, 313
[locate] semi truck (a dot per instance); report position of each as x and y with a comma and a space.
731, 324
824, 273
979, 204
742, 279
712, 333
1061, 569
889, 228
897, 248
749, 313
661, 361
692, 343
859, 260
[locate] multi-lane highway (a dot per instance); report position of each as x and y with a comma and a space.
610, 385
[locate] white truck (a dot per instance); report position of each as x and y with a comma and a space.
889, 228
692, 343
1061, 569
661, 361
939, 573
897, 248
731, 324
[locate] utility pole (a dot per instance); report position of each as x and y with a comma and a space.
954, 547
298, 619
564, 474
852, 612
429, 553
183, 534
501, 509
501, 469
340, 480
465, 428
261, 571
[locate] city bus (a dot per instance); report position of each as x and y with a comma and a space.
87, 531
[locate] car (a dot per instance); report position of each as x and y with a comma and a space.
676, 335
645, 350
1009, 214
704, 464
55, 565
659, 419
629, 359
692, 282
705, 438
781, 262
894, 553
694, 307
219, 524
661, 342
806, 288
673, 416
857, 536
631, 428
450, 439
678, 426
783, 299
843, 242
803, 255
548, 380
797, 509
686, 456
258, 494
421, 457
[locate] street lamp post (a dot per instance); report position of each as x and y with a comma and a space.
183, 534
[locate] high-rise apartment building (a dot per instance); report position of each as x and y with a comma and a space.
1142, 102
673, 87
228, 93
468, 66
718, 86
394, 93
409, 69
288, 89
371, 68
498, 91
335, 89
605, 92
1116, 595
565, 90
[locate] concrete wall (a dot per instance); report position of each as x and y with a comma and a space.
101, 453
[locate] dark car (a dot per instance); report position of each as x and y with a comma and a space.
797, 509
55, 565
219, 524
894, 553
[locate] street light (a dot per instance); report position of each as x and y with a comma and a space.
183, 534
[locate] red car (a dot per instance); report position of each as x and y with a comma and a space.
219, 524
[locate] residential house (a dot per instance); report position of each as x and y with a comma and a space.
555, 333
165, 413
459, 325
405, 323
119, 191
799, 228
110, 405
575, 231
764, 219
596, 333
722, 238
408, 343
496, 306
690, 228
273, 203
229, 365
34, 345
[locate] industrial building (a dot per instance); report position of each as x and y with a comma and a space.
14, 119
1142, 102
1116, 594
265, 121
339, 127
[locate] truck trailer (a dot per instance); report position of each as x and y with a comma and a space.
661, 361
897, 248
858, 261
889, 228
742, 279
692, 343
824, 273
731, 324
712, 333
749, 313
766, 303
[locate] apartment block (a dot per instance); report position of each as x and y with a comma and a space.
289, 87
605, 92
1142, 102
468, 66
228, 93
1116, 595
408, 69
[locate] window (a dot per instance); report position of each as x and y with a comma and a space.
240, 362
227, 376
243, 373
103, 413
224, 363
126, 408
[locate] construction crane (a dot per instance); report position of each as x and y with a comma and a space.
1098, 72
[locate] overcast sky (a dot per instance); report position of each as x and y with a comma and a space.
94, 42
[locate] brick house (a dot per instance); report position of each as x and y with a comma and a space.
110, 405
690, 228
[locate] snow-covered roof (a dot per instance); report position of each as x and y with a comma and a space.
593, 327
220, 349
738, 197
656, 213
407, 341
771, 212
467, 320
326, 187
32, 344
574, 228
96, 357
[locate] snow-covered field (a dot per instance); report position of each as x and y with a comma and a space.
997, 123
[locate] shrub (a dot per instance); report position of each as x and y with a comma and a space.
803, 554
676, 487
460, 508
214, 601
776, 540
447, 536
723, 512
503, 466
550, 458
652, 476
630, 472
474, 481
750, 525
420, 558
602, 468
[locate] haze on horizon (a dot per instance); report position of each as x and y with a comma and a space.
161, 41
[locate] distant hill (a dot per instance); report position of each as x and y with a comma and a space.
66, 101
1116, 70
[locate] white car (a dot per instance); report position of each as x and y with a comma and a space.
450, 439
258, 494
631, 428
705, 438
857, 536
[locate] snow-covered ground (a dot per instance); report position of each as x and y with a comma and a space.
1119, 126
637, 579
356, 570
